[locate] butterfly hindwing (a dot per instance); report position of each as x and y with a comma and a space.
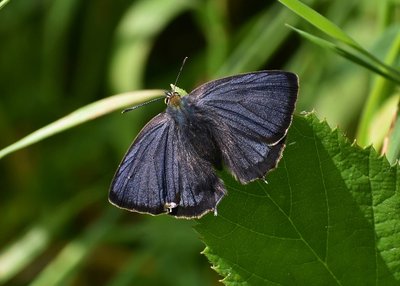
201, 189
162, 174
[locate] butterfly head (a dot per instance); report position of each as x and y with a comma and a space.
173, 99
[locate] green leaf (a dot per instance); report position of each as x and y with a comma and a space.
319, 21
258, 42
333, 31
135, 35
380, 89
382, 121
82, 115
18, 254
76, 251
3, 3
348, 54
329, 215
393, 150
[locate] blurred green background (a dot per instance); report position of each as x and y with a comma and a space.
56, 225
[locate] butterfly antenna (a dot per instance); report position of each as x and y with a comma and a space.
142, 104
179, 73
156, 99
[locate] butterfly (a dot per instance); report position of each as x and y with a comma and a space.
238, 122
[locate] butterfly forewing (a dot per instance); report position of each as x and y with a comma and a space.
136, 185
161, 174
250, 116
262, 103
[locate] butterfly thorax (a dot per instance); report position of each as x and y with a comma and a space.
173, 99
194, 127
181, 109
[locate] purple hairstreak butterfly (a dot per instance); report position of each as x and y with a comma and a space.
239, 122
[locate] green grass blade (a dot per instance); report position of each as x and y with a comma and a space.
81, 115
74, 253
382, 123
131, 270
16, 256
134, 39
356, 58
393, 151
259, 42
376, 96
213, 20
319, 21
332, 30
3, 3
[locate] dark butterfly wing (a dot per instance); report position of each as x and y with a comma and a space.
200, 189
161, 174
249, 117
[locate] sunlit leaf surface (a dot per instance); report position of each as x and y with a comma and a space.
329, 215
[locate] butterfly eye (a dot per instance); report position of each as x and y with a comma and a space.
168, 95
174, 99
